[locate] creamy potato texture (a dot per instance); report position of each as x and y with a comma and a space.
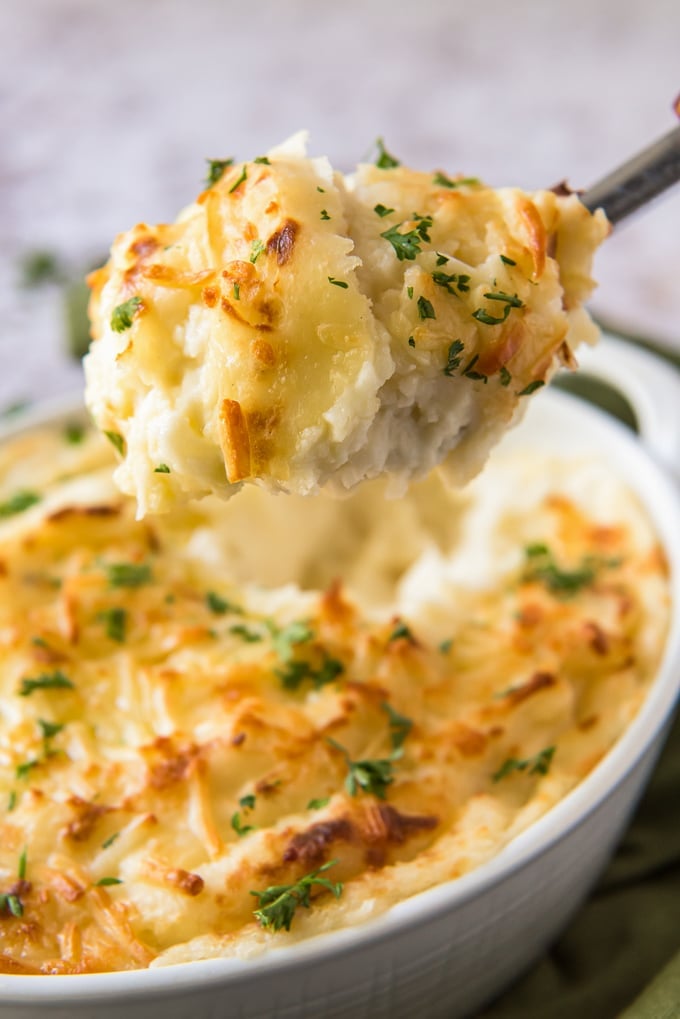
301, 329
229, 698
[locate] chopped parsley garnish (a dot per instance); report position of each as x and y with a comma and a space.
21, 869
123, 315
385, 161
509, 300
446, 645
470, 372
24, 770
278, 903
321, 190
400, 726
116, 623
531, 388
324, 214
110, 840
411, 342
256, 249
246, 803
284, 639
128, 574
338, 283
296, 672
161, 469
104, 882
49, 729
453, 357
400, 632
74, 433
319, 804
47, 681
409, 291
216, 168
408, 245
248, 635
504, 376
18, 502
539, 764
237, 292
11, 801
372, 776
425, 309
262, 159
441, 259
541, 566
442, 181
11, 904
116, 440
382, 210
220, 606
241, 179
450, 280
508, 261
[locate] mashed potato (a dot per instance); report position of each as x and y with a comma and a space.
294, 712
304, 330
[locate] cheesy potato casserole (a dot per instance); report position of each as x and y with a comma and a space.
239, 725
302, 329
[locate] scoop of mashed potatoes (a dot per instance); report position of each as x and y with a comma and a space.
303, 330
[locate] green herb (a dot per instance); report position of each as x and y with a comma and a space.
294, 673
411, 342
541, 566
373, 776
220, 606
537, 765
116, 440
425, 309
409, 291
324, 214
319, 804
39, 642
11, 801
470, 373
408, 245
23, 770
249, 636
256, 249
262, 159
509, 300
104, 882
21, 870
12, 904
47, 681
442, 181
39, 267
400, 632
123, 315
110, 840
278, 903
74, 433
400, 726
18, 502
161, 469
286, 638
216, 168
508, 261
385, 161
382, 210
446, 645
237, 292
453, 357
504, 376
532, 387
116, 623
49, 729
450, 280
246, 803
242, 178
321, 190
441, 259
338, 283
128, 574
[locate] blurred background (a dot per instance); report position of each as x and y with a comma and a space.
109, 110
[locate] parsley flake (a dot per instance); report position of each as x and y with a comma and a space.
241, 179
216, 168
256, 249
450, 280
531, 388
116, 623
425, 309
122, 316
453, 357
262, 159
49, 729
441, 259
11, 904
161, 469
47, 681
400, 726
104, 882
319, 804
541, 566
24, 770
442, 181
385, 161
324, 214
382, 210
117, 441
74, 433
248, 635
400, 632
471, 373
220, 606
407, 245
338, 283
11, 801
21, 870
504, 376
539, 764
409, 291
110, 840
510, 300
372, 776
411, 342
128, 574
18, 503
508, 261
278, 903
237, 292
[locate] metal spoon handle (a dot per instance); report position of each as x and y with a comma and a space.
639, 180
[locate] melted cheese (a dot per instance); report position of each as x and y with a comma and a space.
169, 691
283, 332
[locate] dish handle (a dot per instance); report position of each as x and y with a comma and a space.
649, 384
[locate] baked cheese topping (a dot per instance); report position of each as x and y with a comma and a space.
304, 330
199, 759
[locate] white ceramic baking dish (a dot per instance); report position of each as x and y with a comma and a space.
448, 950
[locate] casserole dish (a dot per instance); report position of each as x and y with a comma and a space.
446, 951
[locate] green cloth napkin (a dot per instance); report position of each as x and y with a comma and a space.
620, 956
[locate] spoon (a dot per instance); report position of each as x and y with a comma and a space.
637, 181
